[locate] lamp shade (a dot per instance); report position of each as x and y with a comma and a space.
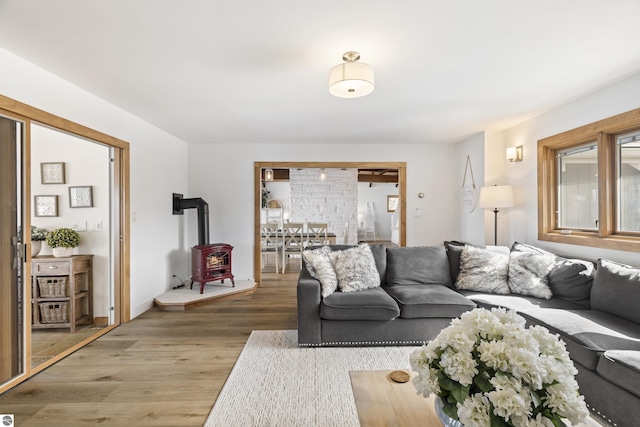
351, 79
497, 196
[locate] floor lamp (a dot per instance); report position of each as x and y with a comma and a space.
496, 197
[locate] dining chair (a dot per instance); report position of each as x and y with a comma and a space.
273, 211
269, 243
317, 234
293, 242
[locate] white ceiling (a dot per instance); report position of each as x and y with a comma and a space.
210, 71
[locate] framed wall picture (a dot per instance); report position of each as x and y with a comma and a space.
45, 205
392, 203
81, 197
52, 173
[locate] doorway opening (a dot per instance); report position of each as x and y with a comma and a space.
399, 169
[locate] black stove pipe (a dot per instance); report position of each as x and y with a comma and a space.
180, 204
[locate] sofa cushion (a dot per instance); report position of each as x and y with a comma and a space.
621, 367
517, 302
483, 270
569, 279
428, 301
355, 268
616, 290
320, 267
369, 304
528, 273
587, 333
426, 265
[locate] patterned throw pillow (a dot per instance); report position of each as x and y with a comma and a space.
483, 270
319, 265
355, 268
528, 273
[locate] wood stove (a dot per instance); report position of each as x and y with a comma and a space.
211, 262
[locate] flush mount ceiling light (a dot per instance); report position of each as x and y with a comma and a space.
351, 79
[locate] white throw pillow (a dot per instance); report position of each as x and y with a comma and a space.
320, 267
528, 273
483, 270
355, 268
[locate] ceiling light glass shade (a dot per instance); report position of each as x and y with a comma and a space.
351, 79
497, 196
323, 175
268, 174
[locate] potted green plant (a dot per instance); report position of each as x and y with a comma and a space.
62, 241
265, 197
37, 236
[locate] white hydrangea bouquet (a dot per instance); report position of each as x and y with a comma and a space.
490, 370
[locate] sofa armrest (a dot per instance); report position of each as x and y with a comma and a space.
309, 324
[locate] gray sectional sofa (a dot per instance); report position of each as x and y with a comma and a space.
595, 312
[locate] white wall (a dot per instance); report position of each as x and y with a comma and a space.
158, 168
280, 191
377, 194
472, 224
615, 99
228, 187
85, 163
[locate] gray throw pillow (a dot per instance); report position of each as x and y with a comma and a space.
355, 268
483, 270
454, 249
569, 279
616, 290
320, 267
528, 273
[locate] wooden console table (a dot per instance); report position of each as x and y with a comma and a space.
74, 303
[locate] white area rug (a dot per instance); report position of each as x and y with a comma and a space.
276, 383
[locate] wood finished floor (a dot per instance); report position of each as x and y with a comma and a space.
160, 369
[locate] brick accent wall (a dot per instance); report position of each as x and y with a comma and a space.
334, 200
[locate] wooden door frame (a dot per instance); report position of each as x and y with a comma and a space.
257, 197
28, 115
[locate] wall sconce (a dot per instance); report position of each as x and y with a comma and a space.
323, 175
268, 174
514, 154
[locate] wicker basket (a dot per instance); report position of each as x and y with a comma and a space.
52, 287
54, 312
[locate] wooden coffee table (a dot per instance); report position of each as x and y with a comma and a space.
382, 402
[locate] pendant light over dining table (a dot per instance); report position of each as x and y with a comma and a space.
352, 79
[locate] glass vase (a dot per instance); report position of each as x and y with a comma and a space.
445, 419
